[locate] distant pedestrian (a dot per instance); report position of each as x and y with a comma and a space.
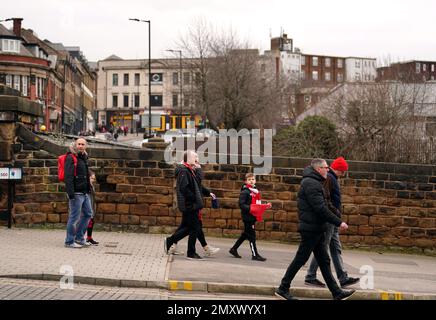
332, 242
249, 196
313, 213
78, 188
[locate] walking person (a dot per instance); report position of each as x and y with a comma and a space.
332, 242
78, 188
313, 215
208, 249
249, 195
190, 202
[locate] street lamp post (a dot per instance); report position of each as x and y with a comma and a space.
180, 84
149, 71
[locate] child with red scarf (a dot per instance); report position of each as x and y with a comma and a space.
251, 210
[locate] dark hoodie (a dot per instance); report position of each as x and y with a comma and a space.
312, 206
244, 204
189, 189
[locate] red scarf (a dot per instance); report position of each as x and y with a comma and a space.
254, 193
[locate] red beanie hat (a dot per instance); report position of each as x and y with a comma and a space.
339, 164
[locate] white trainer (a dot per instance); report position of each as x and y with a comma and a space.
210, 251
173, 250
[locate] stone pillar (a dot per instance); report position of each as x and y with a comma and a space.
155, 144
7, 135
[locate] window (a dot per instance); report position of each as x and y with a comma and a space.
175, 100
303, 60
115, 79
115, 101
186, 101
339, 77
418, 67
314, 75
328, 76
357, 76
126, 79
175, 78
17, 82
432, 68
328, 62
340, 63
315, 61
424, 67
9, 80
303, 75
137, 77
125, 100
186, 78
11, 45
136, 103
156, 100
357, 63
24, 91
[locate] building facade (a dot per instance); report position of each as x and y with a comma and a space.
408, 71
47, 73
122, 94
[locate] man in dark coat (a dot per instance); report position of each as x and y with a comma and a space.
333, 192
313, 214
190, 202
78, 188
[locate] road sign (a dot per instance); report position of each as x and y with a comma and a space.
11, 174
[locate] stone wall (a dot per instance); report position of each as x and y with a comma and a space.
384, 204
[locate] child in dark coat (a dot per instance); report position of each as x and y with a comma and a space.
249, 196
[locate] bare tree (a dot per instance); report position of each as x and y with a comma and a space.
380, 121
233, 86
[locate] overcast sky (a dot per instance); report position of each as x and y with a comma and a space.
383, 29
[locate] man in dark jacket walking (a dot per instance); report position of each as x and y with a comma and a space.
313, 214
333, 193
78, 188
190, 202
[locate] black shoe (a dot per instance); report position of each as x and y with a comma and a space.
345, 294
167, 245
284, 294
195, 256
93, 242
258, 258
315, 283
234, 253
349, 282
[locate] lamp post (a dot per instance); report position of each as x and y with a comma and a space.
149, 71
181, 83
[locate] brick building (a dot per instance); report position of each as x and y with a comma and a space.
408, 71
48, 74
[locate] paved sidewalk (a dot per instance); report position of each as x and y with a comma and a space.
138, 260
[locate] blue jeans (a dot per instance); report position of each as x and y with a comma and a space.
333, 243
80, 213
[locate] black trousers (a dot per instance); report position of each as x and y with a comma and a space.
249, 234
200, 236
191, 226
311, 242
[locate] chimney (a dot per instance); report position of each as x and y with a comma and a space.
17, 26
